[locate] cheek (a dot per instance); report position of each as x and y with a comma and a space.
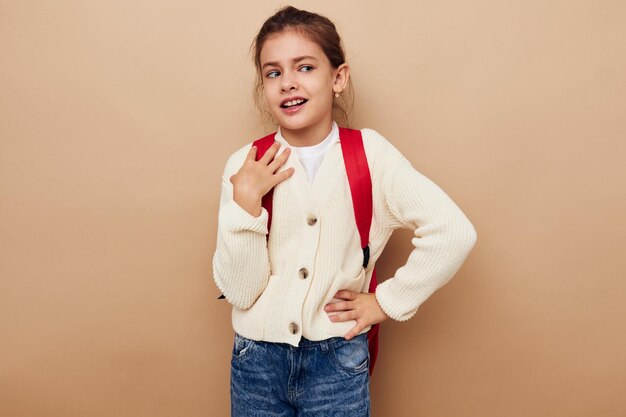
324, 87
267, 94
325, 93
271, 101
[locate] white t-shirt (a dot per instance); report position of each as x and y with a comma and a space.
311, 156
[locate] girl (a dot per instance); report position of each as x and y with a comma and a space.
301, 310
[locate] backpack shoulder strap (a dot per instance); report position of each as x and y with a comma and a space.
360, 180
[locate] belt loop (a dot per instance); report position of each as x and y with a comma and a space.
324, 345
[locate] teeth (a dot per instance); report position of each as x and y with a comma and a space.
293, 103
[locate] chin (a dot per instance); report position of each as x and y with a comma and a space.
292, 124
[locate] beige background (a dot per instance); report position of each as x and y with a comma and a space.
116, 119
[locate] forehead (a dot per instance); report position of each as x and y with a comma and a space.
287, 45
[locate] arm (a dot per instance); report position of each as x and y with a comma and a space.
443, 238
241, 266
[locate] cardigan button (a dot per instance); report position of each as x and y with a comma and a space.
311, 220
303, 272
293, 328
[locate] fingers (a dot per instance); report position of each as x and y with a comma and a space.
279, 160
346, 294
270, 153
273, 163
342, 311
344, 316
283, 175
339, 306
349, 304
350, 315
251, 154
267, 156
354, 331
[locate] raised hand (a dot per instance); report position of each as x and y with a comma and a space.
255, 178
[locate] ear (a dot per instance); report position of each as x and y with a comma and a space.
342, 75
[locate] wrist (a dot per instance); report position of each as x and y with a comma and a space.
251, 205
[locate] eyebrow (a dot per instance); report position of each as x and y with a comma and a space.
295, 60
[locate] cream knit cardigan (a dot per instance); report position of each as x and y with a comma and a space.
278, 288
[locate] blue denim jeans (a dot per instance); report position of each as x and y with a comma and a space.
323, 378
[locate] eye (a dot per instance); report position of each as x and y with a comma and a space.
272, 74
306, 68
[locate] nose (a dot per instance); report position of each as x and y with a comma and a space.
288, 82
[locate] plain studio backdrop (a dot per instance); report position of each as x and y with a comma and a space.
116, 120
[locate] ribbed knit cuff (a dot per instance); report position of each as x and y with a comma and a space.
235, 219
387, 296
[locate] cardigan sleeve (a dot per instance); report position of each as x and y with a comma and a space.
241, 267
442, 237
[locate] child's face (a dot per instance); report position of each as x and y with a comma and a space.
299, 83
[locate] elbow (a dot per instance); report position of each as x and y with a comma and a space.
229, 290
236, 300
460, 238
240, 296
465, 237
471, 236
242, 304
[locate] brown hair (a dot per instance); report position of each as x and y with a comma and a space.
314, 27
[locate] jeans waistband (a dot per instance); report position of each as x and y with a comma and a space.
304, 342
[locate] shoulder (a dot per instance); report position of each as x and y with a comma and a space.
379, 150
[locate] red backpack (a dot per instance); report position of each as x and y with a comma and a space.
360, 181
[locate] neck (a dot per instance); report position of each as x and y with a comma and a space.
307, 137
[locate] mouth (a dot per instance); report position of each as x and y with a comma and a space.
293, 103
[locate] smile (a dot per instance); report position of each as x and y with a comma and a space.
293, 103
